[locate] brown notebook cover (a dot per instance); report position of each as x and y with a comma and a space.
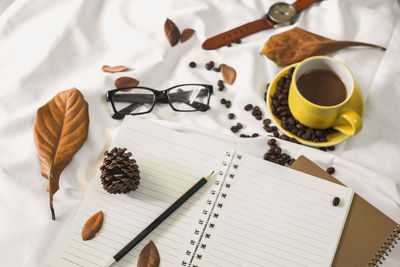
368, 234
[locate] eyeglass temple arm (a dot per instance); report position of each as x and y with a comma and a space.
125, 111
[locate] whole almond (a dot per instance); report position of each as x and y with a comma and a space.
228, 74
171, 32
122, 82
113, 69
187, 34
92, 226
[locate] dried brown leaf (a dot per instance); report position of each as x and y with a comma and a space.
149, 256
122, 82
60, 129
187, 34
228, 73
171, 32
92, 226
296, 44
112, 69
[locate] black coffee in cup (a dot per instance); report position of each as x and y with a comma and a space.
322, 87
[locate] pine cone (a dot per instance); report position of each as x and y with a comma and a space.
119, 173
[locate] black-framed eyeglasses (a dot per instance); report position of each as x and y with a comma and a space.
141, 100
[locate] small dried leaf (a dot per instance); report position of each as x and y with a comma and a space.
149, 256
171, 32
92, 226
187, 34
228, 74
60, 129
122, 82
296, 44
112, 69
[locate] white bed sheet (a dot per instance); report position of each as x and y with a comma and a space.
48, 46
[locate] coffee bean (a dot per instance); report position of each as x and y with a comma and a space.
280, 83
268, 129
238, 41
291, 120
323, 139
231, 116
248, 107
276, 134
220, 82
192, 64
274, 128
266, 156
284, 137
287, 76
217, 69
274, 96
256, 108
258, 118
282, 108
228, 104
306, 136
266, 121
271, 141
254, 135
323, 148
229, 45
244, 135
330, 170
282, 96
223, 101
299, 126
267, 87
239, 125
277, 150
235, 129
331, 148
209, 65
336, 201
291, 162
221, 88
319, 133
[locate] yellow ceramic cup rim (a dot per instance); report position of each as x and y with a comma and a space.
347, 90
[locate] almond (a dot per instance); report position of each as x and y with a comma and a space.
149, 256
113, 69
228, 74
92, 226
171, 32
122, 82
187, 34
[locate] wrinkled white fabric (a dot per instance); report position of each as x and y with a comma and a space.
48, 46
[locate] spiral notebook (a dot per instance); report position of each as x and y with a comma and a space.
250, 213
368, 235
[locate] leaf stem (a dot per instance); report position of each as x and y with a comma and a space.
351, 43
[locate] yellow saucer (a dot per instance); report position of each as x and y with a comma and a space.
356, 103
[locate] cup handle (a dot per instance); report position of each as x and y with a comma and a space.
348, 122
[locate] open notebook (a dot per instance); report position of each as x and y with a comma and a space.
250, 213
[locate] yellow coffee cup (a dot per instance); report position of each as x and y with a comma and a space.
339, 116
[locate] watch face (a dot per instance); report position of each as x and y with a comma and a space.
282, 13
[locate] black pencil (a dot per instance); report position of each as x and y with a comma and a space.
160, 219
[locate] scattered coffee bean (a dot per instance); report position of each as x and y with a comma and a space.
336, 201
331, 148
284, 137
267, 128
244, 135
217, 69
266, 121
277, 150
254, 135
271, 141
330, 170
258, 118
228, 104
192, 64
223, 101
248, 107
231, 116
238, 41
323, 148
209, 65
239, 125
229, 45
235, 129
276, 134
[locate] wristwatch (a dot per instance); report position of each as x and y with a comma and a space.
279, 15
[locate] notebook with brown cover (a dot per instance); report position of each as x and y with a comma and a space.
368, 234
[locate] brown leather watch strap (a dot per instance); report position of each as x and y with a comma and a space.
300, 5
237, 33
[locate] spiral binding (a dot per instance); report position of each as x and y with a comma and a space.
207, 222
384, 251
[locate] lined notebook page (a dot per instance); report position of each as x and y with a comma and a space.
169, 163
275, 216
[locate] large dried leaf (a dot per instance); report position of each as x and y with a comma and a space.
149, 256
61, 127
186, 34
122, 82
296, 44
92, 226
171, 32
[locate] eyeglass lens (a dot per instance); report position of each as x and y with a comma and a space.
189, 97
